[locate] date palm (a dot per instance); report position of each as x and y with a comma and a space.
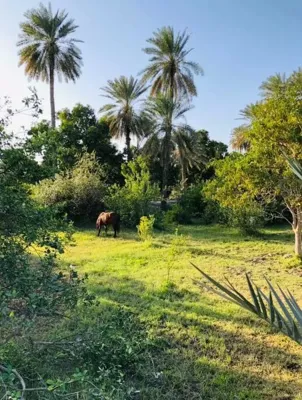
169, 134
46, 48
168, 69
122, 113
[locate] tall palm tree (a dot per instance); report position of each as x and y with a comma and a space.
168, 133
46, 48
122, 113
273, 85
187, 153
169, 70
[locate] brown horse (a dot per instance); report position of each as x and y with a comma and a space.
108, 218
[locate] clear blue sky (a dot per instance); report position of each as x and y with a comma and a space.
239, 43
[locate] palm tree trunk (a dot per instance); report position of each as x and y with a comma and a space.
52, 96
128, 144
183, 177
166, 159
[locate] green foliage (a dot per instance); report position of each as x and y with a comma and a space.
104, 350
169, 69
122, 114
132, 201
21, 165
192, 200
79, 192
247, 219
145, 228
233, 188
79, 133
176, 215
284, 314
31, 283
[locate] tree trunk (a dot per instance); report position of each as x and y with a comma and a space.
166, 160
128, 144
298, 250
183, 178
297, 228
52, 96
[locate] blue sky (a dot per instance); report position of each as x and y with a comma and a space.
238, 43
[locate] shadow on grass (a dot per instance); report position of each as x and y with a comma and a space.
195, 353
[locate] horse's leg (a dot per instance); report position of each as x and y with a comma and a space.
106, 229
100, 228
114, 228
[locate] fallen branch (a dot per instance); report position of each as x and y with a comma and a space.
21, 380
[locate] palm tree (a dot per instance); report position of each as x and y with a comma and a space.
46, 49
273, 85
168, 135
123, 117
240, 140
187, 153
169, 69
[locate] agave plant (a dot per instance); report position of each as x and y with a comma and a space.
281, 312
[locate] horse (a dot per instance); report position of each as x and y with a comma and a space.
108, 218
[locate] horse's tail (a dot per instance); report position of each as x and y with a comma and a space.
118, 223
98, 223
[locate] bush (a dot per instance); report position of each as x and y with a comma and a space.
145, 227
79, 192
132, 201
32, 285
249, 220
176, 215
192, 201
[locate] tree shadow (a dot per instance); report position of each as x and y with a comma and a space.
198, 357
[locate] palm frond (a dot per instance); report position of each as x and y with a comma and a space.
168, 69
44, 39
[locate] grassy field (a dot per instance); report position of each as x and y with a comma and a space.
199, 347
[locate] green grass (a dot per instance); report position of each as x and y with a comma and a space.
198, 346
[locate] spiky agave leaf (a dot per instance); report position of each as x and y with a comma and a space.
286, 318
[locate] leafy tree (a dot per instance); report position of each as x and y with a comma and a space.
46, 48
168, 133
169, 70
79, 132
122, 113
24, 167
263, 174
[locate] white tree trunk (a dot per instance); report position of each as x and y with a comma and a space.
297, 228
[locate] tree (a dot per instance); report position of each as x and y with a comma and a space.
168, 134
46, 48
206, 150
186, 154
122, 113
263, 174
79, 132
169, 70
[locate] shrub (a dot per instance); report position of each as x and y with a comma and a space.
192, 201
79, 192
145, 227
249, 220
132, 201
176, 215
29, 284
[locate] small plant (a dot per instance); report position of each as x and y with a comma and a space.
286, 317
145, 228
178, 244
